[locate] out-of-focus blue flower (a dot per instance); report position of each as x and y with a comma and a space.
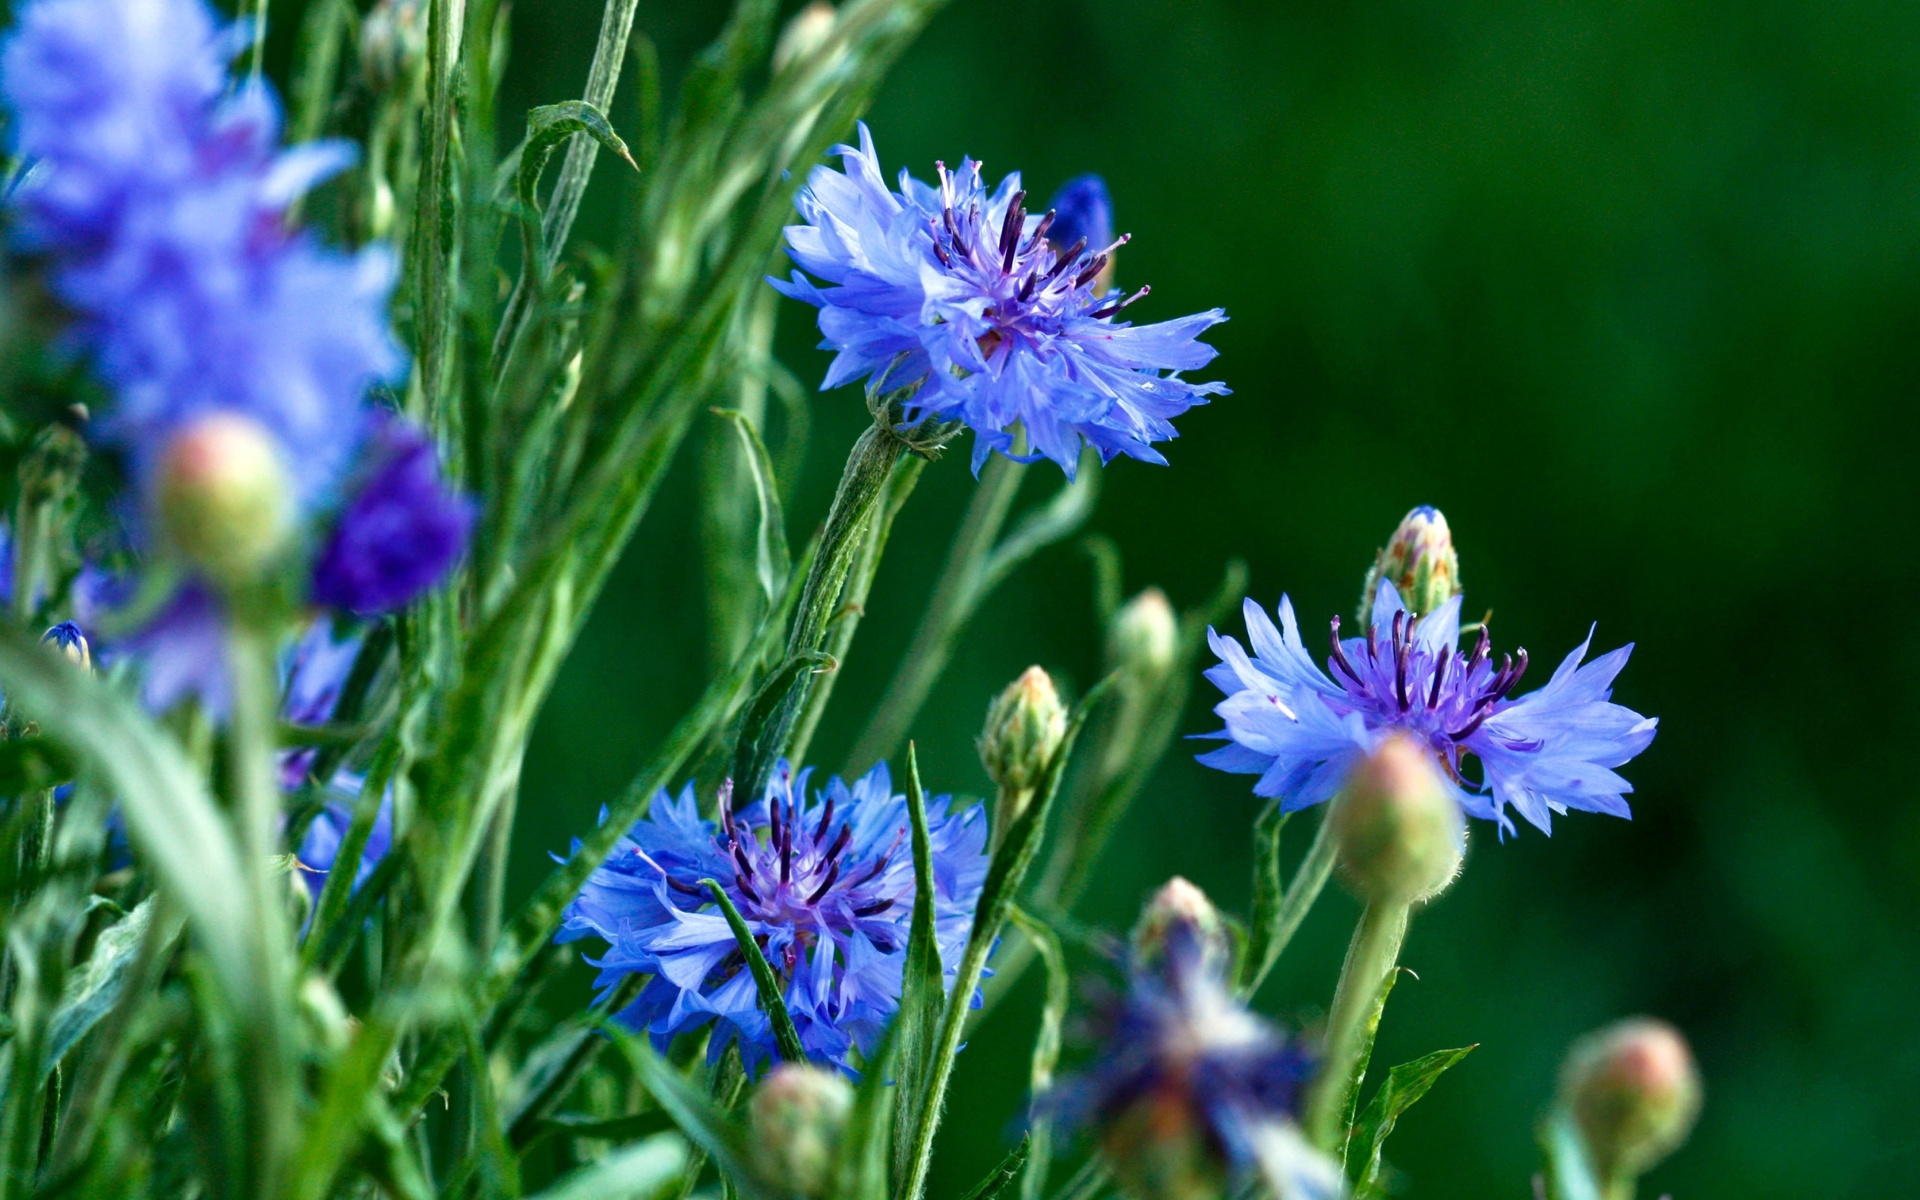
400, 535
1082, 214
159, 196
961, 290
320, 846
1302, 730
1192, 1083
313, 675
825, 883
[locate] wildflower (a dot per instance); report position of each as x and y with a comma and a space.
70, 642
826, 884
1024, 728
1634, 1094
1194, 1088
320, 845
400, 535
1302, 730
960, 290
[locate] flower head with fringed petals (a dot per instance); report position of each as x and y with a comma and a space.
1302, 729
825, 883
962, 291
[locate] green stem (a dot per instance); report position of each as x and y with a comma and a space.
1307, 884
1372, 958
954, 598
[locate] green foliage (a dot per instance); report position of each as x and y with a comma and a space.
1401, 1090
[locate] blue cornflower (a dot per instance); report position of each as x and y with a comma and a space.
159, 195
1302, 730
962, 291
825, 882
1193, 1087
400, 534
321, 843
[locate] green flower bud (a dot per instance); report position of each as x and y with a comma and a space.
1142, 640
1420, 562
223, 496
798, 1116
805, 33
1179, 904
1024, 728
393, 42
1400, 834
1633, 1093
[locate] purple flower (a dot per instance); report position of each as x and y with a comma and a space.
962, 292
826, 885
1082, 213
400, 535
159, 197
312, 677
1302, 730
1191, 1081
320, 846
183, 653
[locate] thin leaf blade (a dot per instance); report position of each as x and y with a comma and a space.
1403, 1087
784, 1035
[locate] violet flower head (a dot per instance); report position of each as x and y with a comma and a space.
1192, 1081
313, 675
1302, 729
183, 653
400, 535
1082, 212
962, 291
825, 882
320, 846
159, 197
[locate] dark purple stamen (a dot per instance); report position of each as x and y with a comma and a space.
833, 873
1439, 673
1067, 258
868, 910
1040, 230
1401, 649
1010, 231
826, 819
1115, 307
740, 856
1340, 656
839, 844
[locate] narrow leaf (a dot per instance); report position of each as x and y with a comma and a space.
1400, 1091
690, 1109
1046, 1046
771, 561
923, 991
998, 1178
784, 1034
1267, 893
98, 984
641, 1171
1359, 1073
862, 1170
32, 764
549, 125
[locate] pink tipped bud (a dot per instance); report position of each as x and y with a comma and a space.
1420, 562
223, 496
1179, 905
1633, 1092
1025, 726
1400, 833
798, 1117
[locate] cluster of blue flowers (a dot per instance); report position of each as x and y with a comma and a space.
825, 882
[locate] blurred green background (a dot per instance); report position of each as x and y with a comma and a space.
1630, 290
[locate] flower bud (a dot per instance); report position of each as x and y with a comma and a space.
806, 32
1419, 560
1400, 834
1024, 728
1180, 913
1142, 640
1633, 1093
69, 641
393, 41
798, 1116
223, 496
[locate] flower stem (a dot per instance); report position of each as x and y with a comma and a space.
1309, 880
1372, 958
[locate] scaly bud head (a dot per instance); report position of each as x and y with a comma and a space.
69, 641
1024, 728
806, 32
1400, 833
1420, 561
1180, 911
798, 1116
1633, 1092
223, 495
1142, 640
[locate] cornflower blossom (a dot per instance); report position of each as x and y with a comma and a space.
961, 291
1191, 1080
313, 675
1302, 730
825, 882
400, 534
320, 846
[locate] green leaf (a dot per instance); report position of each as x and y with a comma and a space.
691, 1111
1046, 1045
1267, 894
550, 124
1402, 1088
644, 1170
998, 1178
1291, 906
771, 561
784, 1035
32, 764
762, 727
98, 984
862, 1173
1351, 1100
923, 991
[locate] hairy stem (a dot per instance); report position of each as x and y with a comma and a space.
1372, 958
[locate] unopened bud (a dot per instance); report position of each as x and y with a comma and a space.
393, 41
1633, 1093
798, 1117
806, 32
1024, 728
1143, 639
1180, 915
69, 641
1420, 562
223, 496
1400, 833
